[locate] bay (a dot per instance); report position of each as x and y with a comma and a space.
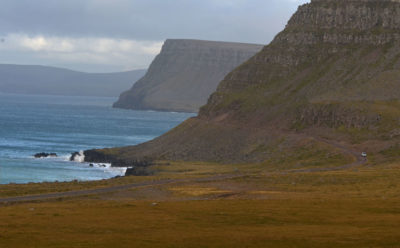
31, 124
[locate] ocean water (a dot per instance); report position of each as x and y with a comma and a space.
33, 124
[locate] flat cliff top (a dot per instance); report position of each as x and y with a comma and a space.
186, 43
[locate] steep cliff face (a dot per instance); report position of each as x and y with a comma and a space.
184, 74
331, 51
333, 72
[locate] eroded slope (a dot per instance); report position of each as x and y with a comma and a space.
334, 72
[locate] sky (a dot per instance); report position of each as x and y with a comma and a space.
120, 35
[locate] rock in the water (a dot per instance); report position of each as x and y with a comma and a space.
45, 155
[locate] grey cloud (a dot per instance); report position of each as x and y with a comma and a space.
64, 32
255, 21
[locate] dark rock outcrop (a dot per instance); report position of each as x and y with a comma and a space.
94, 156
184, 74
45, 155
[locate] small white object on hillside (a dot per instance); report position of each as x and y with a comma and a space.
364, 154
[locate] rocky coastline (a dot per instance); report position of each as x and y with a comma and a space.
134, 167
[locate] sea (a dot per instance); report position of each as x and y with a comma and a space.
31, 124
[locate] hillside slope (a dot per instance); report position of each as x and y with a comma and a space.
44, 80
333, 73
184, 74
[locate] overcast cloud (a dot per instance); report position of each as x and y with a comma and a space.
115, 35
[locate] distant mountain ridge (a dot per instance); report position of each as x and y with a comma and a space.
184, 74
45, 80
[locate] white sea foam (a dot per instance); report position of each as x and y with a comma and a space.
80, 158
65, 157
116, 171
101, 165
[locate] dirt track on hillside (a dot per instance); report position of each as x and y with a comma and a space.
356, 154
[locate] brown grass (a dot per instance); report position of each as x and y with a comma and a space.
350, 208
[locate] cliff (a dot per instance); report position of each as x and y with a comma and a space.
184, 74
333, 72
45, 80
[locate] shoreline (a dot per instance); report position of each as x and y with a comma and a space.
96, 168
52, 124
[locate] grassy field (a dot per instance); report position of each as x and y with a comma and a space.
359, 207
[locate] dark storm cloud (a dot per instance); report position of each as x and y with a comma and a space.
255, 21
